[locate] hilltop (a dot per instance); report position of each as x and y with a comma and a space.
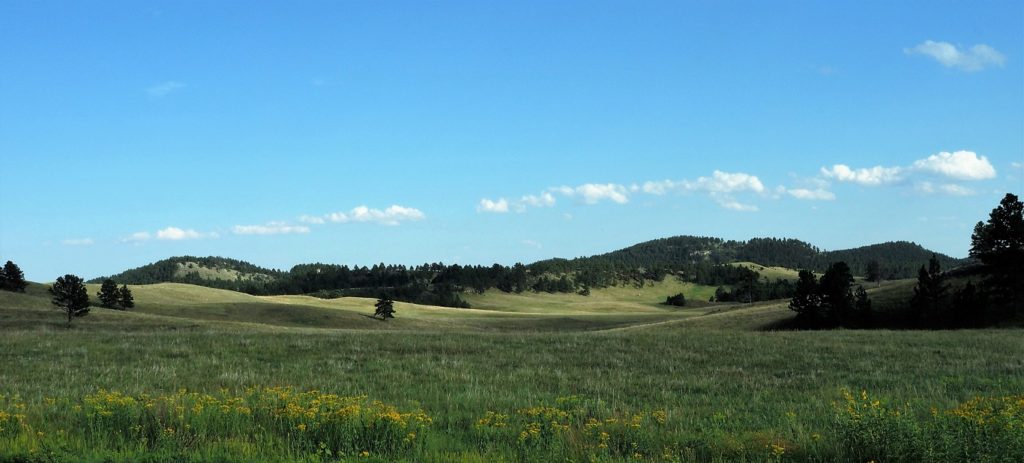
710, 266
897, 259
205, 271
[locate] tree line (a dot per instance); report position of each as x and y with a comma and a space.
992, 294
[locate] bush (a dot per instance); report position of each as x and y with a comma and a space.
678, 300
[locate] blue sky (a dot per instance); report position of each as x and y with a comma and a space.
479, 132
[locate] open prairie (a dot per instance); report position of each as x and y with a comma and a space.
530, 377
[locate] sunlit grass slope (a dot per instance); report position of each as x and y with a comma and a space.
613, 299
178, 304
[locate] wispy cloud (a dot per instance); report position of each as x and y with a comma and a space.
391, 216
871, 176
270, 228
169, 234
593, 193
164, 88
78, 242
972, 59
179, 234
499, 206
137, 237
532, 244
502, 205
959, 165
951, 189
720, 187
817, 194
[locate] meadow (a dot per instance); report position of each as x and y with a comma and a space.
197, 374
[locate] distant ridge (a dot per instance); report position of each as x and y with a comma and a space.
897, 259
206, 271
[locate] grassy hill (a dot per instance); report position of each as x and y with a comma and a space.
194, 270
898, 260
705, 379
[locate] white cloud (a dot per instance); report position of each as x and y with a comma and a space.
532, 244
164, 88
592, 193
1017, 165
960, 165
271, 228
658, 187
949, 189
545, 199
78, 242
312, 219
732, 204
137, 237
726, 182
973, 59
178, 234
393, 215
874, 176
486, 205
817, 194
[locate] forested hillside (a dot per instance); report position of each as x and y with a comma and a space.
699, 260
896, 260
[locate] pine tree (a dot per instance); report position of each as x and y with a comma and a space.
836, 295
1000, 242
926, 305
124, 297
385, 308
108, 294
70, 295
873, 272
12, 278
806, 301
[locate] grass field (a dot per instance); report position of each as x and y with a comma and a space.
534, 377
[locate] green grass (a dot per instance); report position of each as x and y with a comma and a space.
729, 389
770, 273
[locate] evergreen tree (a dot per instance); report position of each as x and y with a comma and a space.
12, 279
999, 244
385, 308
926, 305
873, 272
970, 307
70, 295
124, 297
806, 301
108, 294
836, 295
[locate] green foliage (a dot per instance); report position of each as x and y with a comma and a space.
873, 271
679, 300
124, 297
69, 295
830, 302
999, 244
984, 428
927, 305
385, 308
12, 278
806, 302
108, 294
